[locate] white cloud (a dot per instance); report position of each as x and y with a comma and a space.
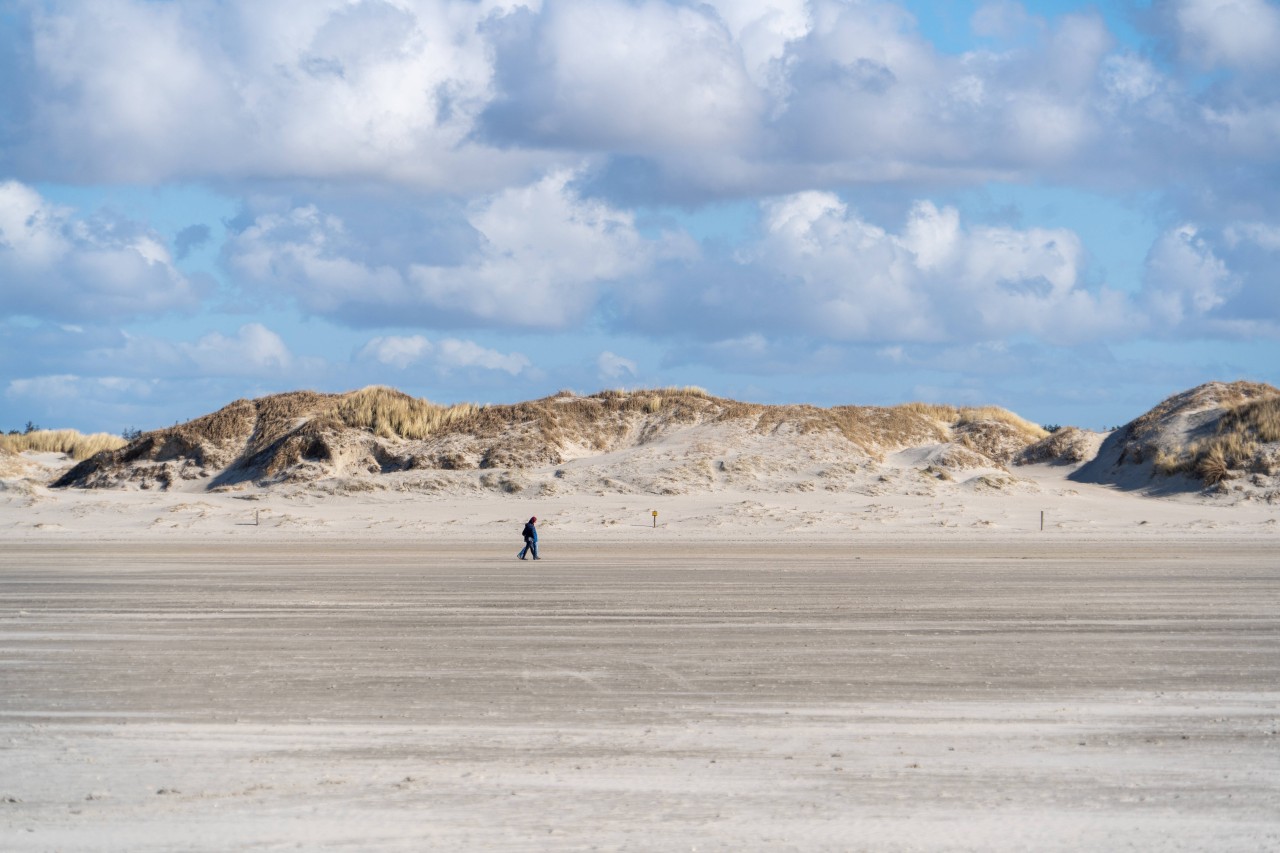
681, 101
133, 90
936, 280
1229, 32
454, 354
543, 255
894, 355
1131, 79
447, 355
1261, 234
1185, 279
255, 349
1004, 19
819, 269
763, 30
69, 387
611, 366
397, 351
56, 264
648, 76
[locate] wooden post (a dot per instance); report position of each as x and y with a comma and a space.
1042, 519
255, 517
655, 519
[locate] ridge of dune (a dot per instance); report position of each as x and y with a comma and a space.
665, 441
1222, 438
1219, 440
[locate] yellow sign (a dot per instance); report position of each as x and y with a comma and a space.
655, 513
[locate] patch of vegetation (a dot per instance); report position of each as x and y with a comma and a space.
1242, 432
69, 441
389, 413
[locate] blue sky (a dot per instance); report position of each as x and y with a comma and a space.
1068, 209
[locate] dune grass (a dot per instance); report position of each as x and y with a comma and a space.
1259, 420
958, 416
1242, 431
389, 413
75, 444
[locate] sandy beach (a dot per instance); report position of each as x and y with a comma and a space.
898, 693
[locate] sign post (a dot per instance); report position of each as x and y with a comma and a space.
655, 518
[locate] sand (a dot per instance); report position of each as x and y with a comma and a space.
901, 694
885, 662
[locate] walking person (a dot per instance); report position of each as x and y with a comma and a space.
530, 534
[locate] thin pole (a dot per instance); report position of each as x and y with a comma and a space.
1042, 519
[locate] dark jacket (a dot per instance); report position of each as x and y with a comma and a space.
530, 533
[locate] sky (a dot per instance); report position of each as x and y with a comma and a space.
1071, 210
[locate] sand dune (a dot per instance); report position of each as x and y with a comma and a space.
1219, 440
712, 468
653, 442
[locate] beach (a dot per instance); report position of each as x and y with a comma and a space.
892, 691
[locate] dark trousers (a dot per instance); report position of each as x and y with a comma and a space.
529, 545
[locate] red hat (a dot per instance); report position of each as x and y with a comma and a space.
532, 520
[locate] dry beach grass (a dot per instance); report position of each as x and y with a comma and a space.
1239, 444
75, 444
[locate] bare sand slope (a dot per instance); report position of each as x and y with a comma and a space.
932, 695
897, 498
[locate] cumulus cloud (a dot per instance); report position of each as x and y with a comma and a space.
59, 265
1005, 19
682, 101
818, 268
1184, 278
1261, 234
134, 90
253, 351
641, 76
68, 387
541, 254
1225, 279
396, 350
1240, 33
612, 367
445, 356
763, 30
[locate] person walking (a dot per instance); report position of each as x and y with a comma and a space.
530, 534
